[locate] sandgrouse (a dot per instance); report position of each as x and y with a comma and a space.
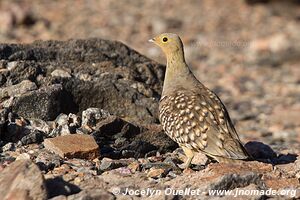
191, 114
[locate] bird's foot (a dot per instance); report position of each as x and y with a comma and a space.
187, 164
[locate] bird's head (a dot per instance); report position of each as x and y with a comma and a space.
169, 42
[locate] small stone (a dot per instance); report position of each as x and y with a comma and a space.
23, 156
12, 65
74, 122
73, 146
155, 173
61, 119
134, 166
8, 102
77, 180
81, 166
109, 164
91, 116
61, 73
84, 77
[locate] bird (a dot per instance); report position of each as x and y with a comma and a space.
191, 114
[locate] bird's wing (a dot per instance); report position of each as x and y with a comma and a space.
199, 121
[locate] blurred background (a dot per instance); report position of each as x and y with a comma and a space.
248, 51
213, 31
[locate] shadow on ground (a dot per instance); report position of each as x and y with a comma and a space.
264, 153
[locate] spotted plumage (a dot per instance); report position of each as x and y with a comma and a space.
191, 114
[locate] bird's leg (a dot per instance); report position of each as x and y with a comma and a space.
190, 155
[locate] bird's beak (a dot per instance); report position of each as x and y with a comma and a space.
151, 40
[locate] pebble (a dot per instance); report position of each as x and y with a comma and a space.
109, 164
134, 166
23, 156
61, 73
156, 173
91, 116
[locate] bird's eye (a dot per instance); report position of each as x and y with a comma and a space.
165, 39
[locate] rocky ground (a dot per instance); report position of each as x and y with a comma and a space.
78, 118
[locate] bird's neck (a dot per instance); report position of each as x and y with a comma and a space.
175, 56
177, 72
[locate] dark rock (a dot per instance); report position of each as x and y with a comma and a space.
104, 74
129, 140
16, 128
152, 139
114, 127
19, 130
108, 93
44, 103
34, 136
119, 138
23, 71
22, 180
